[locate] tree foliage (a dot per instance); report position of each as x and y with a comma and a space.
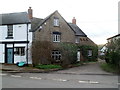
113, 53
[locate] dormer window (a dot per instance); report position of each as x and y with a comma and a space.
10, 31
56, 21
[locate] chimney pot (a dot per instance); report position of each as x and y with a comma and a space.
74, 20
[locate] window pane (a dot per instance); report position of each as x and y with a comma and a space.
56, 55
20, 51
56, 38
10, 30
89, 52
56, 22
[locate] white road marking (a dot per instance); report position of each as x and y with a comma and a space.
63, 80
15, 76
3, 74
91, 82
83, 81
35, 78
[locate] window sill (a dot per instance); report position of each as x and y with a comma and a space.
56, 26
56, 41
9, 37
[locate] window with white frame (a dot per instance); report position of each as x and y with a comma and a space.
77, 40
56, 55
56, 36
10, 30
89, 53
56, 22
20, 51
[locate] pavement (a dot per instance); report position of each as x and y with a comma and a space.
15, 69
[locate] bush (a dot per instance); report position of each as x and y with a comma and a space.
113, 58
69, 55
41, 52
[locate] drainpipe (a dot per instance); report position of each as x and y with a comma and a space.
27, 46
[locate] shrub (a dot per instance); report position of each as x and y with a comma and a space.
69, 53
41, 52
113, 58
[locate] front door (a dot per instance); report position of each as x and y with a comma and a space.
9, 55
78, 55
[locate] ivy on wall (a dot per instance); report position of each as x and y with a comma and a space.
41, 52
84, 50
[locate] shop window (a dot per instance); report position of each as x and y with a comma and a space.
20, 51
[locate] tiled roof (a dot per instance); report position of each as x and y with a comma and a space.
14, 18
77, 30
74, 27
35, 22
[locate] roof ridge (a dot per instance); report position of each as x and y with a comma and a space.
12, 13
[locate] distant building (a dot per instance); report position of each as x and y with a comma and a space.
103, 50
113, 38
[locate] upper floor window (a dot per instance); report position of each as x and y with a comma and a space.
56, 36
56, 22
77, 40
10, 31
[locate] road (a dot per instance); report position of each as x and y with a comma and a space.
87, 76
40, 80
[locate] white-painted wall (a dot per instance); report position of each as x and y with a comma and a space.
19, 34
2, 53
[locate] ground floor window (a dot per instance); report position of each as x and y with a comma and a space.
20, 51
56, 55
89, 53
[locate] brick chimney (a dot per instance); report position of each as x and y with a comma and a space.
74, 20
30, 13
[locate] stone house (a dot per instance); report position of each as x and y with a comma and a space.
55, 29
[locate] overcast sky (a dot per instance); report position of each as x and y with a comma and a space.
97, 18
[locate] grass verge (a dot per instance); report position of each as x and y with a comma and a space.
48, 66
110, 68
